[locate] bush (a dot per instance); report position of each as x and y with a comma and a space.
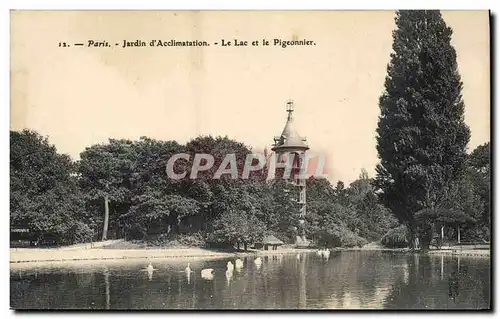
476, 233
396, 238
350, 239
135, 231
80, 233
237, 227
373, 235
340, 236
190, 240
178, 240
283, 237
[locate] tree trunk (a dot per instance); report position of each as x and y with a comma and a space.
440, 238
413, 241
427, 233
117, 230
106, 218
245, 246
238, 245
425, 244
458, 233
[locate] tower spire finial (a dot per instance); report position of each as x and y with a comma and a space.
289, 108
289, 105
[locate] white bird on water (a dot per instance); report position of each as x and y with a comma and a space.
230, 266
326, 253
229, 276
298, 256
258, 261
149, 269
188, 273
207, 274
238, 263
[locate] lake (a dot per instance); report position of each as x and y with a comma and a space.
347, 280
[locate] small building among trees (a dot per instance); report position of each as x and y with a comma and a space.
269, 243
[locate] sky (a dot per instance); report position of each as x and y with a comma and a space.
80, 96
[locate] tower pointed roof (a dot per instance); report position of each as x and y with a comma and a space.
290, 139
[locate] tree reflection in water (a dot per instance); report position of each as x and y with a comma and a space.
106, 282
462, 283
302, 282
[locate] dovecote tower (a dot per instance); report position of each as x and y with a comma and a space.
291, 143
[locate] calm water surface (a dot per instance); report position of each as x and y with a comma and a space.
347, 280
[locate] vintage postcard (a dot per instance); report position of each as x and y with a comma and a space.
168, 160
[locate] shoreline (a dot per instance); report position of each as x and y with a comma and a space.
464, 252
30, 255
26, 256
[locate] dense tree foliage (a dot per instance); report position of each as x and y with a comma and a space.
143, 202
44, 196
479, 174
422, 136
105, 172
467, 206
237, 227
470, 194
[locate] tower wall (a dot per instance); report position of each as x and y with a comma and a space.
300, 183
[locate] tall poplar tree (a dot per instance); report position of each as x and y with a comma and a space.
421, 134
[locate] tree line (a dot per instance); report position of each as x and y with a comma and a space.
120, 189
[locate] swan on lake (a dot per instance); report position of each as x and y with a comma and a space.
238, 263
149, 268
230, 266
207, 274
326, 253
188, 268
258, 261
229, 276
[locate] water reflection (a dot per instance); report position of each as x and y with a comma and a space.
350, 280
442, 267
302, 283
106, 281
453, 285
229, 276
